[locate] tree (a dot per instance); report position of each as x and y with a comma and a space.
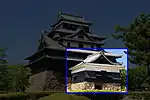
14, 78
18, 78
3, 71
136, 38
123, 78
136, 78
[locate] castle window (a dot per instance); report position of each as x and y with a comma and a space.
74, 78
68, 44
80, 45
81, 36
92, 46
74, 27
98, 46
67, 26
86, 29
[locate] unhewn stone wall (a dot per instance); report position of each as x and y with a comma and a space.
91, 86
83, 86
111, 86
46, 81
37, 81
51, 83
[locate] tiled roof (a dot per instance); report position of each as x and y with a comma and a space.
50, 42
72, 32
97, 67
71, 17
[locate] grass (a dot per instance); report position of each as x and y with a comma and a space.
63, 96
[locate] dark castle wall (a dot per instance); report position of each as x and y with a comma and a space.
76, 44
97, 77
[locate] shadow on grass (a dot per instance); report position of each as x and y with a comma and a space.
63, 96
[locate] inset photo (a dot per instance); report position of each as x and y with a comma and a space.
96, 70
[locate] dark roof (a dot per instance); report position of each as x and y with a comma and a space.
64, 30
81, 40
97, 36
72, 32
69, 22
50, 42
48, 47
77, 32
70, 17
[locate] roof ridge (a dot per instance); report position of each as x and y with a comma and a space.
68, 14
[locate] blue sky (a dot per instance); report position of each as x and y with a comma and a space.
22, 21
120, 52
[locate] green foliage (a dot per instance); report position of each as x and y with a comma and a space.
23, 96
137, 78
18, 78
123, 75
139, 95
3, 61
136, 38
3, 70
13, 77
58, 96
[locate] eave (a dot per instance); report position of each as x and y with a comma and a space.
63, 21
37, 60
49, 47
81, 40
63, 31
72, 17
92, 52
72, 32
97, 67
52, 57
97, 36
77, 21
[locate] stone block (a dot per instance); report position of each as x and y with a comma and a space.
83, 86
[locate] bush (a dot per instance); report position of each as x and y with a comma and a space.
23, 96
139, 95
63, 96
58, 96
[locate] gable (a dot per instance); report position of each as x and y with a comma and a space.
98, 58
101, 60
80, 34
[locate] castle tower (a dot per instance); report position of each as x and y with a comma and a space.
48, 62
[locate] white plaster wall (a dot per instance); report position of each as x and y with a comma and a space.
98, 68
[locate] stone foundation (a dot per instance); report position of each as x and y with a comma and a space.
111, 86
83, 86
91, 86
46, 81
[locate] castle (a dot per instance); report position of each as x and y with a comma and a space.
48, 62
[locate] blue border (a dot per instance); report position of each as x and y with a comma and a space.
66, 75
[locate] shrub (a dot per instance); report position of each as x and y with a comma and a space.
23, 96
139, 95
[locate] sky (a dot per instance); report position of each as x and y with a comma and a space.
123, 59
21, 21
